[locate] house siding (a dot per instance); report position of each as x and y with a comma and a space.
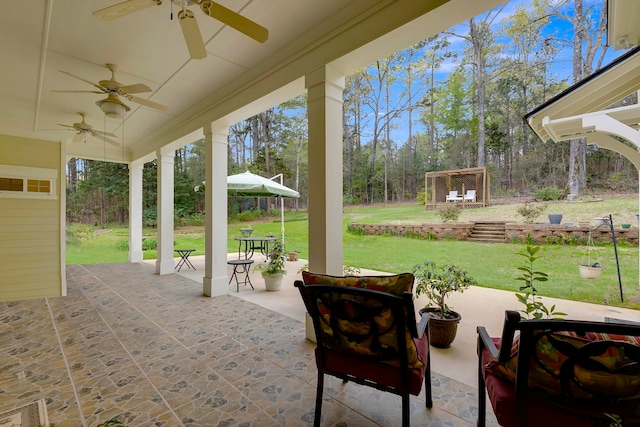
31, 229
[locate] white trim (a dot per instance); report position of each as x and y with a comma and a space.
26, 173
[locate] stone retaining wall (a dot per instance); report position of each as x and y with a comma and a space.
539, 233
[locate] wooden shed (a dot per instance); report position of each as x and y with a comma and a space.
467, 188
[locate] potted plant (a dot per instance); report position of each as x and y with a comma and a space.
590, 271
437, 282
272, 269
246, 231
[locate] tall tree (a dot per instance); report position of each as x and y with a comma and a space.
482, 40
352, 123
589, 48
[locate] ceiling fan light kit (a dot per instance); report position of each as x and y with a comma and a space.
112, 107
83, 129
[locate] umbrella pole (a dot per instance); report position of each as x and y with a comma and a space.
282, 219
273, 178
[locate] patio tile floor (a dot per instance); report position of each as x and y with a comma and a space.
153, 351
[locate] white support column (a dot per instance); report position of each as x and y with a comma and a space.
215, 281
324, 87
165, 263
135, 211
324, 109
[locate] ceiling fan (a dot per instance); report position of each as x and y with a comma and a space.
112, 106
83, 129
188, 22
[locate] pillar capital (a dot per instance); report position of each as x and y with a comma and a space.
324, 75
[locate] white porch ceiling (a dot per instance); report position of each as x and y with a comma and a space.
239, 76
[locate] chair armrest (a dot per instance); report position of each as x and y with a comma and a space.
422, 326
485, 341
511, 320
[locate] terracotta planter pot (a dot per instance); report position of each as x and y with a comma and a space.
442, 332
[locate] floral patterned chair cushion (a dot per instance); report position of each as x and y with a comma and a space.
358, 337
581, 366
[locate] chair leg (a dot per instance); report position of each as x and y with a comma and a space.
427, 383
406, 418
482, 406
482, 398
319, 391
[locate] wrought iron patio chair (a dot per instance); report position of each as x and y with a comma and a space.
368, 336
560, 373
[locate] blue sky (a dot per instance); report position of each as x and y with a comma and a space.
561, 67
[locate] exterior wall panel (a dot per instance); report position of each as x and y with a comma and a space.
31, 245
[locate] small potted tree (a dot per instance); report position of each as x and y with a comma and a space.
272, 269
437, 282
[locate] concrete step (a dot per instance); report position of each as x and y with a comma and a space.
488, 231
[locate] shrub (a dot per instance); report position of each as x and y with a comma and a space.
149, 243
356, 231
196, 219
122, 245
514, 238
79, 232
450, 213
410, 234
548, 193
530, 211
71, 238
150, 217
423, 196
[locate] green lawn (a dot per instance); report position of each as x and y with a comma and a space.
492, 265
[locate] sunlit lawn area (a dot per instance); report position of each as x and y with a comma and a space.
492, 265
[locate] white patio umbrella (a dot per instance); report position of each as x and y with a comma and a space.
248, 184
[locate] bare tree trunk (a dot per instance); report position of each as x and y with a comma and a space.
255, 139
582, 66
266, 124
478, 36
348, 147
387, 146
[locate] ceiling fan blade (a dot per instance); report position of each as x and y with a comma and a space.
136, 88
78, 137
192, 35
77, 91
125, 8
67, 126
147, 103
104, 138
100, 134
235, 20
84, 80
